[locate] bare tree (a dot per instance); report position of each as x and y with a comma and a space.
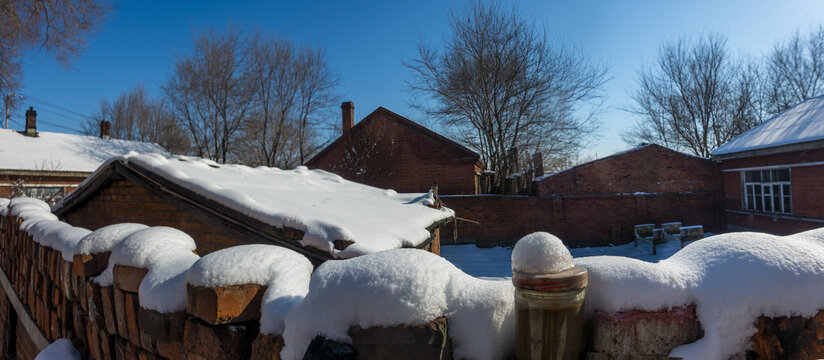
210, 90
135, 115
292, 85
795, 70
500, 84
58, 27
695, 98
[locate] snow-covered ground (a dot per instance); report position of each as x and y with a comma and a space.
496, 262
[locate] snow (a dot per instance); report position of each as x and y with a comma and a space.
323, 205
60, 349
168, 254
404, 286
62, 152
4, 209
106, 238
58, 235
801, 123
732, 278
20, 201
285, 272
497, 262
540, 253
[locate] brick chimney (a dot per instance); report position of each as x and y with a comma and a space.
31, 122
348, 116
538, 163
105, 128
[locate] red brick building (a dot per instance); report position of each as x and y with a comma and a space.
598, 203
50, 165
772, 174
389, 151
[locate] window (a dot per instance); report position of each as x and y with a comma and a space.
48, 194
768, 191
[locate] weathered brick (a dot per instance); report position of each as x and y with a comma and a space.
128, 278
267, 347
131, 304
224, 304
120, 312
107, 301
643, 333
90, 265
162, 327
171, 350
204, 341
428, 341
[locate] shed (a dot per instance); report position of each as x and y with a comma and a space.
314, 212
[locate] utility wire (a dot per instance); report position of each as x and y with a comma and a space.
55, 106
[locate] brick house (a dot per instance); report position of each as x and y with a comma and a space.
772, 173
599, 202
313, 212
49, 165
387, 150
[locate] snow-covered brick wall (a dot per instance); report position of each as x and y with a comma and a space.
284, 272
731, 278
399, 287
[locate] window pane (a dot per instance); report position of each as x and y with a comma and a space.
765, 176
753, 176
787, 208
750, 202
759, 206
767, 199
786, 190
781, 175
757, 190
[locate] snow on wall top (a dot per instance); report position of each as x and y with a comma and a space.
732, 278
404, 286
62, 152
801, 123
323, 205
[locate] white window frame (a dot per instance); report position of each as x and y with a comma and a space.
762, 185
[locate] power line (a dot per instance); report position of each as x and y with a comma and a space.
60, 115
55, 106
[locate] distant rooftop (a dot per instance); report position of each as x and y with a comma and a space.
63, 152
801, 123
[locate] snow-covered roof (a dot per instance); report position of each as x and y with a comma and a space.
62, 152
801, 123
323, 205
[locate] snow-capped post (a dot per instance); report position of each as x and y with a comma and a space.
549, 299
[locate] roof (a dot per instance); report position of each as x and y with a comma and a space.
801, 123
63, 152
323, 206
617, 154
458, 148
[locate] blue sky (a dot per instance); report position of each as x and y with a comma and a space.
366, 42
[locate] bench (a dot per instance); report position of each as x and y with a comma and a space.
691, 233
648, 233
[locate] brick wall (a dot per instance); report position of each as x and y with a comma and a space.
806, 192
408, 161
107, 322
122, 201
581, 220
